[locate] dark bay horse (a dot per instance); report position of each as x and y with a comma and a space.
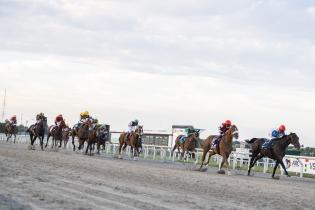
10, 130
103, 136
224, 148
134, 142
276, 152
37, 131
55, 131
189, 145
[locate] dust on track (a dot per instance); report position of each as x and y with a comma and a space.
67, 180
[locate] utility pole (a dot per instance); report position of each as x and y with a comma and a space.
4, 103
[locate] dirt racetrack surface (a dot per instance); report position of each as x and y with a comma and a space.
68, 180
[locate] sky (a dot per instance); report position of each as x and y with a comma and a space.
162, 62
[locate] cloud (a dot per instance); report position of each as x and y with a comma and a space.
168, 62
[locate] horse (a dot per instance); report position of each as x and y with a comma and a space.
82, 133
37, 131
66, 132
276, 152
224, 148
134, 142
56, 133
189, 145
9, 130
102, 137
93, 136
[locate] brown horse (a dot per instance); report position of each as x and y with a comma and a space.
66, 132
276, 152
82, 133
189, 145
92, 138
56, 133
224, 148
134, 141
10, 130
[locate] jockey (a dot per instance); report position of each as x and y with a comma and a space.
94, 123
59, 119
84, 117
39, 117
13, 120
222, 129
275, 134
132, 126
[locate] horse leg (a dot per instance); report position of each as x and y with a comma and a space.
258, 157
87, 148
73, 142
41, 140
275, 168
283, 166
252, 160
174, 148
203, 158
14, 138
48, 136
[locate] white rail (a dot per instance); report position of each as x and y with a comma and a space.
164, 153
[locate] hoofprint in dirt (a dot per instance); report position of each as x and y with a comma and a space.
65, 180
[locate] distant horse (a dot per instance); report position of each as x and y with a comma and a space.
37, 131
189, 145
276, 152
134, 141
66, 132
10, 130
56, 133
224, 148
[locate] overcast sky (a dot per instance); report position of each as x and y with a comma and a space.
163, 62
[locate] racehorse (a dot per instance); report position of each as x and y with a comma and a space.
56, 132
224, 148
9, 130
189, 145
37, 131
66, 132
134, 142
82, 133
276, 152
102, 137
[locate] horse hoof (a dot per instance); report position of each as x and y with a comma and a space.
229, 173
135, 158
221, 171
276, 177
29, 147
119, 157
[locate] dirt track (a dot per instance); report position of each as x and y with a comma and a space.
66, 180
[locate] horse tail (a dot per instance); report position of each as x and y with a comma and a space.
251, 141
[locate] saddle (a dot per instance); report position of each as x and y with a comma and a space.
216, 143
268, 143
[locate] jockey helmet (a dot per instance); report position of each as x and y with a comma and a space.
282, 128
59, 115
136, 120
85, 113
14, 116
95, 120
228, 122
